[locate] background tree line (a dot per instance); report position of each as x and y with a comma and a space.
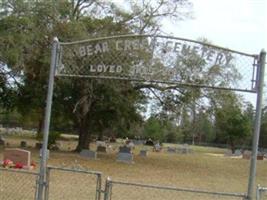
97, 108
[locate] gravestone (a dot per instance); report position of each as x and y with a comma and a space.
101, 146
184, 149
138, 142
18, 156
130, 145
171, 150
143, 153
125, 149
101, 143
101, 149
88, 154
157, 147
228, 152
237, 152
260, 156
23, 144
38, 145
2, 140
125, 157
246, 154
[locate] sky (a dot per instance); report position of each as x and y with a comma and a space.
235, 24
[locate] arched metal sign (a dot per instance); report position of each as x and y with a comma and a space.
162, 60
158, 59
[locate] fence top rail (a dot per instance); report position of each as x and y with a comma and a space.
159, 36
19, 171
179, 189
162, 82
74, 170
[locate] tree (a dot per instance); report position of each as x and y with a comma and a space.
27, 29
263, 130
232, 125
153, 129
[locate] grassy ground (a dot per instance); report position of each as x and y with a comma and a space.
205, 168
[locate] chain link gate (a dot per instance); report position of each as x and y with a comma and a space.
119, 190
18, 184
69, 184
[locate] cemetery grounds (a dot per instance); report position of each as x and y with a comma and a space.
205, 168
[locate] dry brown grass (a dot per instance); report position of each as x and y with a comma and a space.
205, 168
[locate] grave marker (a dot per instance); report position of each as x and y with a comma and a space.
246, 154
143, 153
171, 150
88, 154
125, 149
237, 152
101, 149
18, 156
2, 140
125, 155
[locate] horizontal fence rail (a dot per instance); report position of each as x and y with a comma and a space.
117, 190
69, 184
18, 184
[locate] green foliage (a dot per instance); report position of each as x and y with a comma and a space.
232, 125
162, 130
263, 131
153, 129
53, 137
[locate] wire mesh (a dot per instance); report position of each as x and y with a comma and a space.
158, 59
70, 184
133, 191
17, 185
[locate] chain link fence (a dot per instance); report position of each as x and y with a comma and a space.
70, 184
261, 193
116, 190
76, 184
18, 184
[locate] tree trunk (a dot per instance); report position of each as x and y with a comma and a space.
84, 135
41, 125
82, 110
232, 146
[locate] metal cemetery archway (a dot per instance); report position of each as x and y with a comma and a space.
160, 60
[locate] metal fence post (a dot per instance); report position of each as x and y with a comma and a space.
253, 161
98, 187
258, 197
46, 195
107, 195
36, 188
49, 98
